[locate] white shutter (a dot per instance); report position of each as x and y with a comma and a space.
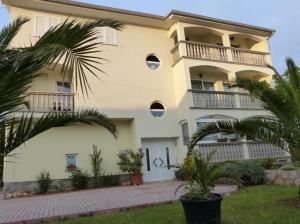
53, 21
101, 35
107, 35
111, 36
40, 25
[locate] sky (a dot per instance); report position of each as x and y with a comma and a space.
283, 16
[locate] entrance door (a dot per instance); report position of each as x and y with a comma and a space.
159, 156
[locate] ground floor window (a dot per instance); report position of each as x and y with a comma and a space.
71, 163
185, 133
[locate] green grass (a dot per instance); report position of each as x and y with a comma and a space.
257, 205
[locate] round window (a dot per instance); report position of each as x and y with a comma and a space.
152, 62
157, 109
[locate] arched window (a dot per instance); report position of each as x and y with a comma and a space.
157, 109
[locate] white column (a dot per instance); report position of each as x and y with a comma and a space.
245, 149
232, 78
181, 38
226, 43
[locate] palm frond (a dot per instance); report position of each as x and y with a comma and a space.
8, 32
20, 130
253, 127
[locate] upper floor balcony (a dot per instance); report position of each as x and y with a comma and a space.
212, 52
49, 102
209, 44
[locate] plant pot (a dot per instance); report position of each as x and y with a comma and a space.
136, 179
202, 211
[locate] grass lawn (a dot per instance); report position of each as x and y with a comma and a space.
257, 205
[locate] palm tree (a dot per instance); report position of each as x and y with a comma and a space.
281, 127
72, 46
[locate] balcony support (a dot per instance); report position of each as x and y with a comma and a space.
181, 36
226, 43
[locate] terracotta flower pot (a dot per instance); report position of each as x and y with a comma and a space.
136, 179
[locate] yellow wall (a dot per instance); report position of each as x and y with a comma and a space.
47, 151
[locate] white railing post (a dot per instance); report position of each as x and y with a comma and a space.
245, 149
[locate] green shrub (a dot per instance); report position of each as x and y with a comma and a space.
249, 172
79, 179
44, 182
109, 180
296, 163
131, 162
288, 167
267, 163
188, 167
96, 162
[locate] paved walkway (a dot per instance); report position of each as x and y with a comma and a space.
87, 202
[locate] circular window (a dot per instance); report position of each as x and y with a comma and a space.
157, 109
152, 62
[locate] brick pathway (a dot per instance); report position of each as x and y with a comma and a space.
87, 202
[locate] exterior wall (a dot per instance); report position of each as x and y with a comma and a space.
47, 151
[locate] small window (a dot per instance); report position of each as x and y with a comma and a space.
185, 133
226, 87
44, 23
107, 35
203, 85
71, 164
152, 62
157, 109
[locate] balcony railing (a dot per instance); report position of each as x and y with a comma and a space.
49, 102
240, 151
218, 53
218, 99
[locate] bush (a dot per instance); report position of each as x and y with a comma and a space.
296, 163
131, 162
109, 180
249, 172
267, 163
44, 182
79, 179
288, 167
188, 168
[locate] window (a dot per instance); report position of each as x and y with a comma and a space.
226, 87
203, 85
71, 164
157, 109
218, 137
63, 87
107, 35
44, 23
152, 62
185, 133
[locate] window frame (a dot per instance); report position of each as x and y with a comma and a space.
158, 110
104, 30
202, 84
159, 63
47, 23
66, 162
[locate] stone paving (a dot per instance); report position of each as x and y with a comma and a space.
37, 209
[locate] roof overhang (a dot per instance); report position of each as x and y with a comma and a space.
75, 8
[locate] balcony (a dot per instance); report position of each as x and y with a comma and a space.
212, 52
49, 102
240, 151
223, 100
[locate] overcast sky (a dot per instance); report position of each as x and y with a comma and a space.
281, 15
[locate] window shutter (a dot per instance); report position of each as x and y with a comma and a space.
107, 35
111, 35
53, 21
101, 35
40, 25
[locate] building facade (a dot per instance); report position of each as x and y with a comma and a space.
165, 77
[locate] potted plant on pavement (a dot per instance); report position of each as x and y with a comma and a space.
199, 202
131, 162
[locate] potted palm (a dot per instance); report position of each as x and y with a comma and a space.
131, 162
199, 202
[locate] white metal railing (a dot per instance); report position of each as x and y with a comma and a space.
219, 99
240, 151
214, 52
49, 102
